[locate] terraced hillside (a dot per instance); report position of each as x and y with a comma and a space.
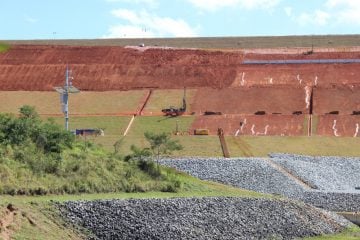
254, 91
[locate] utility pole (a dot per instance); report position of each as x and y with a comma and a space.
64, 95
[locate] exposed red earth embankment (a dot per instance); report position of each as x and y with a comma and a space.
338, 125
284, 93
265, 125
343, 99
297, 74
115, 68
252, 100
102, 68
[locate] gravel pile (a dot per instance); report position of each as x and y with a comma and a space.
326, 173
333, 201
249, 173
200, 218
334, 177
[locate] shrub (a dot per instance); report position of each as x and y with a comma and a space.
150, 168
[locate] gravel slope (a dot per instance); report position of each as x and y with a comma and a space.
200, 218
249, 173
335, 178
326, 173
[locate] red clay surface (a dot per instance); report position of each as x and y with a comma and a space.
345, 99
115, 68
297, 75
302, 54
338, 126
224, 84
279, 100
267, 125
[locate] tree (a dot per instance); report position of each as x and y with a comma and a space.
48, 137
28, 112
161, 144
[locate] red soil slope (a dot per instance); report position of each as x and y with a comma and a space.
339, 126
297, 74
116, 68
284, 125
277, 99
224, 83
345, 99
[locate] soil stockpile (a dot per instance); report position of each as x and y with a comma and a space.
200, 218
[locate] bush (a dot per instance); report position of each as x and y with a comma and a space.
150, 168
38, 158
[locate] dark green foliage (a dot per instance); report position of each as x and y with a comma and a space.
38, 158
149, 167
160, 144
47, 136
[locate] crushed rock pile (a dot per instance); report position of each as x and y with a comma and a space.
334, 179
201, 218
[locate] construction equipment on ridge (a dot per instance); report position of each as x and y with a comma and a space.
173, 111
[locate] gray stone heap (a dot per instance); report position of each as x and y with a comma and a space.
201, 218
326, 173
249, 173
335, 178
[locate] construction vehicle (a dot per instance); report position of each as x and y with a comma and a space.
173, 111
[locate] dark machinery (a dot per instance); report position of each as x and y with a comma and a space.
173, 111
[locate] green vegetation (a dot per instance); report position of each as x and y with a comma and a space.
38, 158
352, 233
4, 47
113, 127
315, 145
160, 124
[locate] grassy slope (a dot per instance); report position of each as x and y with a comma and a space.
261, 146
111, 102
217, 42
352, 233
193, 145
245, 146
164, 98
114, 128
